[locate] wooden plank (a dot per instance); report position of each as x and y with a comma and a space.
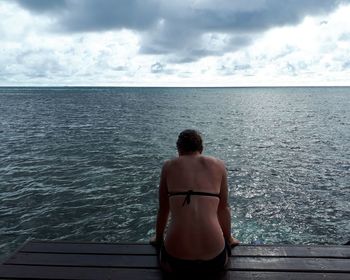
290, 264
88, 248
146, 249
292, 251
132, 261
89, 273
247, 275
143, 261
74, 260
76, 273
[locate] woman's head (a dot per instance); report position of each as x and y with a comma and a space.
189, 141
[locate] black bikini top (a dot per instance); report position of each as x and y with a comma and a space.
191, 192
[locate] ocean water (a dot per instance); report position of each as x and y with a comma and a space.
84, 163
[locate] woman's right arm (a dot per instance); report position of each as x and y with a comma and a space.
224, 211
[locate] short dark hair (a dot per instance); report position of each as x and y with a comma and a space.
189, 140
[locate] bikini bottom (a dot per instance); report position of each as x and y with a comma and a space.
182, 266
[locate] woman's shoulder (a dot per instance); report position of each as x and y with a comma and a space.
169, 162
214, 160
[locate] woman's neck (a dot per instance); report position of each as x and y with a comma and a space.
196, 153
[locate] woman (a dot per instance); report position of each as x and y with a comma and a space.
193, 188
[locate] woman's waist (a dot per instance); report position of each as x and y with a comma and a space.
193, 241
185, 229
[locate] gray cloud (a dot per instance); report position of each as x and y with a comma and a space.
97, 15
119, 68
158, 68
42, 6
234, 68
346, 65
272, 13
181, 29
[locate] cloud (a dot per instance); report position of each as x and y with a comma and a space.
346, 65
39, 63
93, 15
33, 65
195, 42
40, 6
345, 37
234, 69
159, 68
182, 30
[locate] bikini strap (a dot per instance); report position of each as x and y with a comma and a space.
188, 194
188, 197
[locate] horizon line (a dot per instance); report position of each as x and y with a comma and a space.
171, 86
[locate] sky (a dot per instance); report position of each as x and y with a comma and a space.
174, 43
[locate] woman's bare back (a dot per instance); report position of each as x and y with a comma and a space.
194, 231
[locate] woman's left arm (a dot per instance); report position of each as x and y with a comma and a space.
163, 211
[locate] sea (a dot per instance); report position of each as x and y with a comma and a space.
83, 163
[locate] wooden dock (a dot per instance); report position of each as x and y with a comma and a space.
79, 260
